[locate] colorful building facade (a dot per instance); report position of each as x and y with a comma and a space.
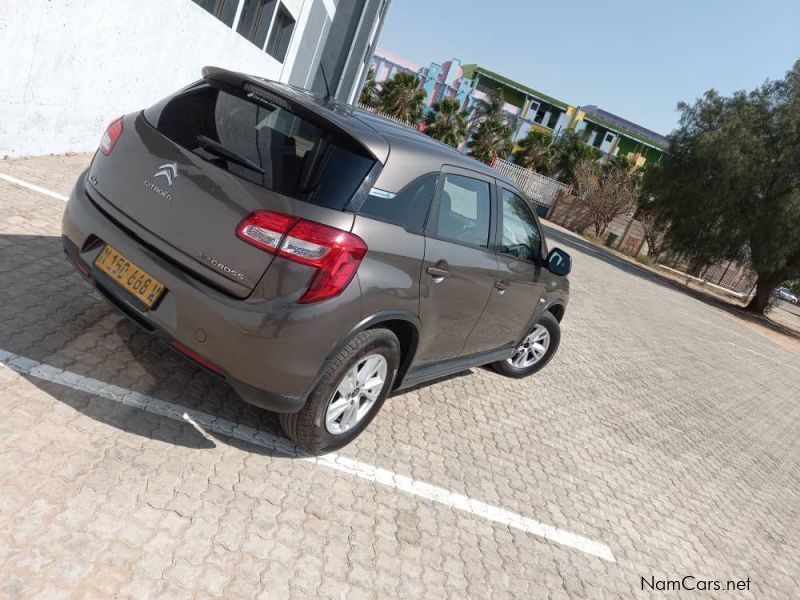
527, 108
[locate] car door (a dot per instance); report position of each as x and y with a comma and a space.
520, 278
459, 269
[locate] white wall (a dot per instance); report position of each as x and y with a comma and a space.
69, 67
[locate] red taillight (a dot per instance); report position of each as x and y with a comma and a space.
111, 136
335, 253
265, 229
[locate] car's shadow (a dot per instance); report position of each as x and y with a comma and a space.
51, 315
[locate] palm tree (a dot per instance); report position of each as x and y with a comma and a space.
491, 139
402, 98
569, 150
613, 162
369, 93
491, 107
491, 129
536, 152
446, 122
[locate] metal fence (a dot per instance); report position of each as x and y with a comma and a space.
731, 275
539, 188
377, 111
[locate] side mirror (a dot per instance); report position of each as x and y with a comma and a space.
559, 262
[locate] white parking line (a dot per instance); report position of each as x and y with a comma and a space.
766, 343
769, 358
247, 434
33, 187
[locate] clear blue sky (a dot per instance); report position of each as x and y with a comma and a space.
635, 59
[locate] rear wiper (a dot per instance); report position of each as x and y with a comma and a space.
307, 189
223, 152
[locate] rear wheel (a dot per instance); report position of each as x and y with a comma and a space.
349, 394
535, 350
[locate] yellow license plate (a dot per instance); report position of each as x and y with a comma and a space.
139, 283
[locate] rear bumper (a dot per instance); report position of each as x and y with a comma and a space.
264, 353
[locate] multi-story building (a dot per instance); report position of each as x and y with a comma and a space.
527, 107
71, 67
612, 134
438, 80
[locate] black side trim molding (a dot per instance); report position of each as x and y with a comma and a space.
425, 373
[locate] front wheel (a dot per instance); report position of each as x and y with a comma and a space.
535, 351
349, 394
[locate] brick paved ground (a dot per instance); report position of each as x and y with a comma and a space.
663, 429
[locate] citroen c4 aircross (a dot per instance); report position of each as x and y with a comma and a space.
315, 256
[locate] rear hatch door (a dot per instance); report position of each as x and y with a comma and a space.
185, 172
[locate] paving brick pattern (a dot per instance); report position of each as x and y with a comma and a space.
663, 428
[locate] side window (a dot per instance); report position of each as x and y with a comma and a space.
464, 209
407, 208
521, 237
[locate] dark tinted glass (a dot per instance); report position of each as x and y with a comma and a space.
464, 210
267, 145
521, 237
255, 19
224, 10
407, 208
281, 34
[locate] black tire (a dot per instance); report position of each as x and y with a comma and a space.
549, 322
307, 426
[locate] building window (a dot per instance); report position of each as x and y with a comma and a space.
255, 19
224, 10
281, 34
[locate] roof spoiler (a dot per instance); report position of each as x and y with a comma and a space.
307, 106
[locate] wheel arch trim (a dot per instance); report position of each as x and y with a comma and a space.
556, 303
373, 321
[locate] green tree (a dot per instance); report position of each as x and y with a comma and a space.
369, 93
730, 184
648, 213
446, 122
402, 98
568, 150
536, 152
491, 131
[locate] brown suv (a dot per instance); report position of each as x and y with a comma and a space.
315, 256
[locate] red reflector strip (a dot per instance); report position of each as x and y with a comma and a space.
197, 358
78, 265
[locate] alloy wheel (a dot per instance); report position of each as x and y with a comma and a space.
532, 349
356, 393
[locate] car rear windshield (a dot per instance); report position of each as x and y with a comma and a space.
264, 143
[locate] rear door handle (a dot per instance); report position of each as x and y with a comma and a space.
501, 286
437, 273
